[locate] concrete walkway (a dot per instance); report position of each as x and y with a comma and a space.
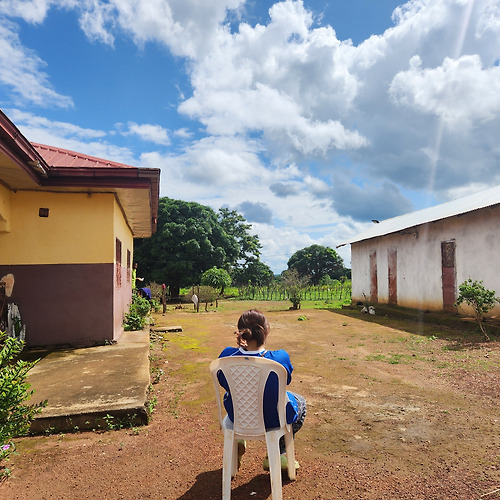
84, 385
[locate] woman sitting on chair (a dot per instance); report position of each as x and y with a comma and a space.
253, 329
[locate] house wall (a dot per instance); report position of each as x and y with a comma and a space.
123, 268
64, 266
4, 209
77, 230
419, 268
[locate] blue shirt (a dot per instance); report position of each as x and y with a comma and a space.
271, 418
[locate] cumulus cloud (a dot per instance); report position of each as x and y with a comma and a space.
317, 186
282, 190
280, 243
31, 11
189, 28
183, 133
365, 203
274, 79
256, 212
460, 91
222, 162
148, 132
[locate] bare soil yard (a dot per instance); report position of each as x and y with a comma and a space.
405, 411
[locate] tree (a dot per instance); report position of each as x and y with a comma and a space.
216, 278
256, 273
236, 226
294, 285
327, 281
317, 261
188, 241
474, 294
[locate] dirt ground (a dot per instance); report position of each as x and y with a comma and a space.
391, 415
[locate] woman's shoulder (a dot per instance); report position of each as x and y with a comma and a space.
228, 351
279, 354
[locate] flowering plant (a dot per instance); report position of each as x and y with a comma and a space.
15, 416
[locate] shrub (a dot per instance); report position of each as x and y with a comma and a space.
138, 311
216, 278
15, 417
474, 294
294, 285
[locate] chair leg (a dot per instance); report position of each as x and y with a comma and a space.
227, 463
234, 462
290, 455
273, 453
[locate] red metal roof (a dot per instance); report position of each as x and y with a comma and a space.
57, 157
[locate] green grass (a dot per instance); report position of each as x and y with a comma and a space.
392, 358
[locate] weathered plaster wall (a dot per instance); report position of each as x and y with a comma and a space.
419, 280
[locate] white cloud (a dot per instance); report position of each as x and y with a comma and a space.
183, 133
276, 114
489, 19
22, 71
279, 244
61, 129
189, 28
283, 224
69, 136
277, 79
460, 92
95, 19
31, 11
255, 212
148, 132
317, 186
221, 162
282, 189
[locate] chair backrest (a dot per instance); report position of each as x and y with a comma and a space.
246, 377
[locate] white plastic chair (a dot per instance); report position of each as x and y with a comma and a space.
246, 377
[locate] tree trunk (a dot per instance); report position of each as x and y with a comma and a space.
174, 291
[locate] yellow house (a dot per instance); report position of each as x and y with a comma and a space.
67, 224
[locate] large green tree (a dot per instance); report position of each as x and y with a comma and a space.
189, 240
317, 261
235, 225
256, 273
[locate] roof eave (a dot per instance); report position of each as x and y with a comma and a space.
15, 146
112, 178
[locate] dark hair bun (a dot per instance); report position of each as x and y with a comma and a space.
253, 325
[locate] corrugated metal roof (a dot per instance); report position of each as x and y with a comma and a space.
57, 157
456, 207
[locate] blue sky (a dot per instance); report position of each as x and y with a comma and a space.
311, 118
